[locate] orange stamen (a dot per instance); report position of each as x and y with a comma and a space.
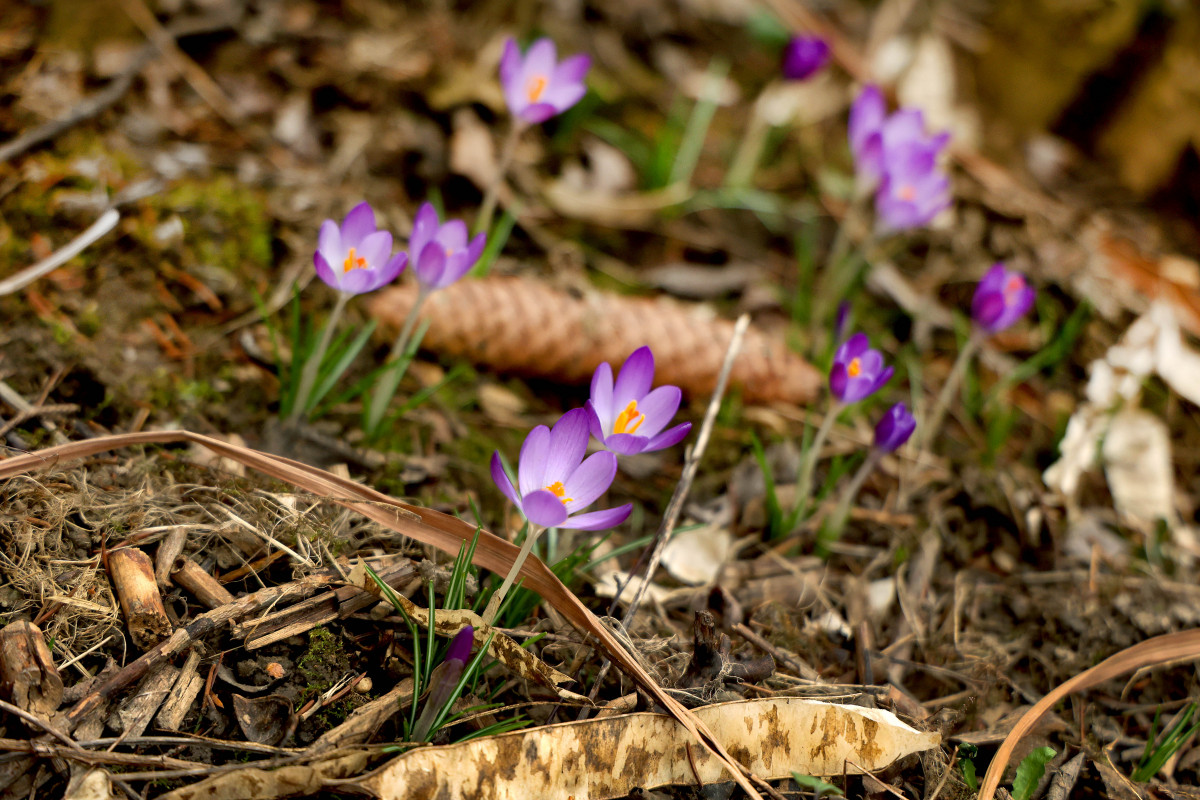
535, 87
854, 368
628, 416
353, 262
558, 490
1015, 284
907, 193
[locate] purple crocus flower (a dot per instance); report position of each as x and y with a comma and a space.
628, 417
355, 257
898, 150
804, 56
1002, 297
894, 429
857, 371
554, 480
913, 190
536, 86
460, 646
867, 115
440, 253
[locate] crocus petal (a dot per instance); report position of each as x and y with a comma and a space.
425, 226
394, 267
594, 425
871, 362
376, 249
866, 116
324, 271
329, 241
882, 379
531, 465
563, 96
460, 645
359, 281
475, 249
590, 480
602, 395
544, 508
598, 520
669, 437
431, 264
510, 62
573, 69
568, 443
635, 377
853, 347
839, 379
540, 60
359, 223
502, 481
658, 406
536, 113
453, 235
625, 444
986, 308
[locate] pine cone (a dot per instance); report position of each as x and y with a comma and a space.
520, 325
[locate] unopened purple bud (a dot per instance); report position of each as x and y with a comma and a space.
804, 56
1002, 297
841, 321
460, 646
894, 429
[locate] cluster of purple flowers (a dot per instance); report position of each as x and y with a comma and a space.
858, 372
897, 158
555, 481
355, 257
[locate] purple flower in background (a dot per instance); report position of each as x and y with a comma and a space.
1002, 297
804, 56
867, 115
894, 429
355, 257
440, 253
536, 86
554, 480
912, 191
628, 417
857, 371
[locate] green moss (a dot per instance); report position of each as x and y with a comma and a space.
322, 664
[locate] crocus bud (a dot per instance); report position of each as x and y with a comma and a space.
894, 429
804, 57
1002, 297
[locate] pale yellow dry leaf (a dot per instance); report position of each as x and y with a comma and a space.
607, 758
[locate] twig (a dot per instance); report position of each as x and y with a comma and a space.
55, 410
804, 671
38, 722
108, 220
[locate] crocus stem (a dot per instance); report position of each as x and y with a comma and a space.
929, 428
809, 465
483, 222
385, 389
312, 367
832, 529
745, 160
493, 606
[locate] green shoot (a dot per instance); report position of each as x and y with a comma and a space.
1030, 772
966, 765
1158, 752
818, 787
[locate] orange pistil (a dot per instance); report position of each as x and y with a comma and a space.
854, 368
558, 490
353, 262
907, 193
535, 87
629, 420
1015, 284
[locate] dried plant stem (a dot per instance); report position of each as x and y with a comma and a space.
493, 606
488, 208
385, 388
809, 465
308, 378
675, 505
107, 221
832, 528
929, 429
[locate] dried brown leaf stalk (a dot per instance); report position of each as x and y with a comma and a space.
429, 527
524, 326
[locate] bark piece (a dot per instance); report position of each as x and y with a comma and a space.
133, 578
521, 325
27, 672
204, 587
183, 694
169, 549
135, 713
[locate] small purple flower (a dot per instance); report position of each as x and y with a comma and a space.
867, 115
804, 56
628, 417
440, 253
355, 257
554, 480
460, 645
894, 429
912, 191
1002, 297
536, 86
858, 371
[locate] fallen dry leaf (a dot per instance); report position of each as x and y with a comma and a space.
609, 757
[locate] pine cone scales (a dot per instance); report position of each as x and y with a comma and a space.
520, 325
